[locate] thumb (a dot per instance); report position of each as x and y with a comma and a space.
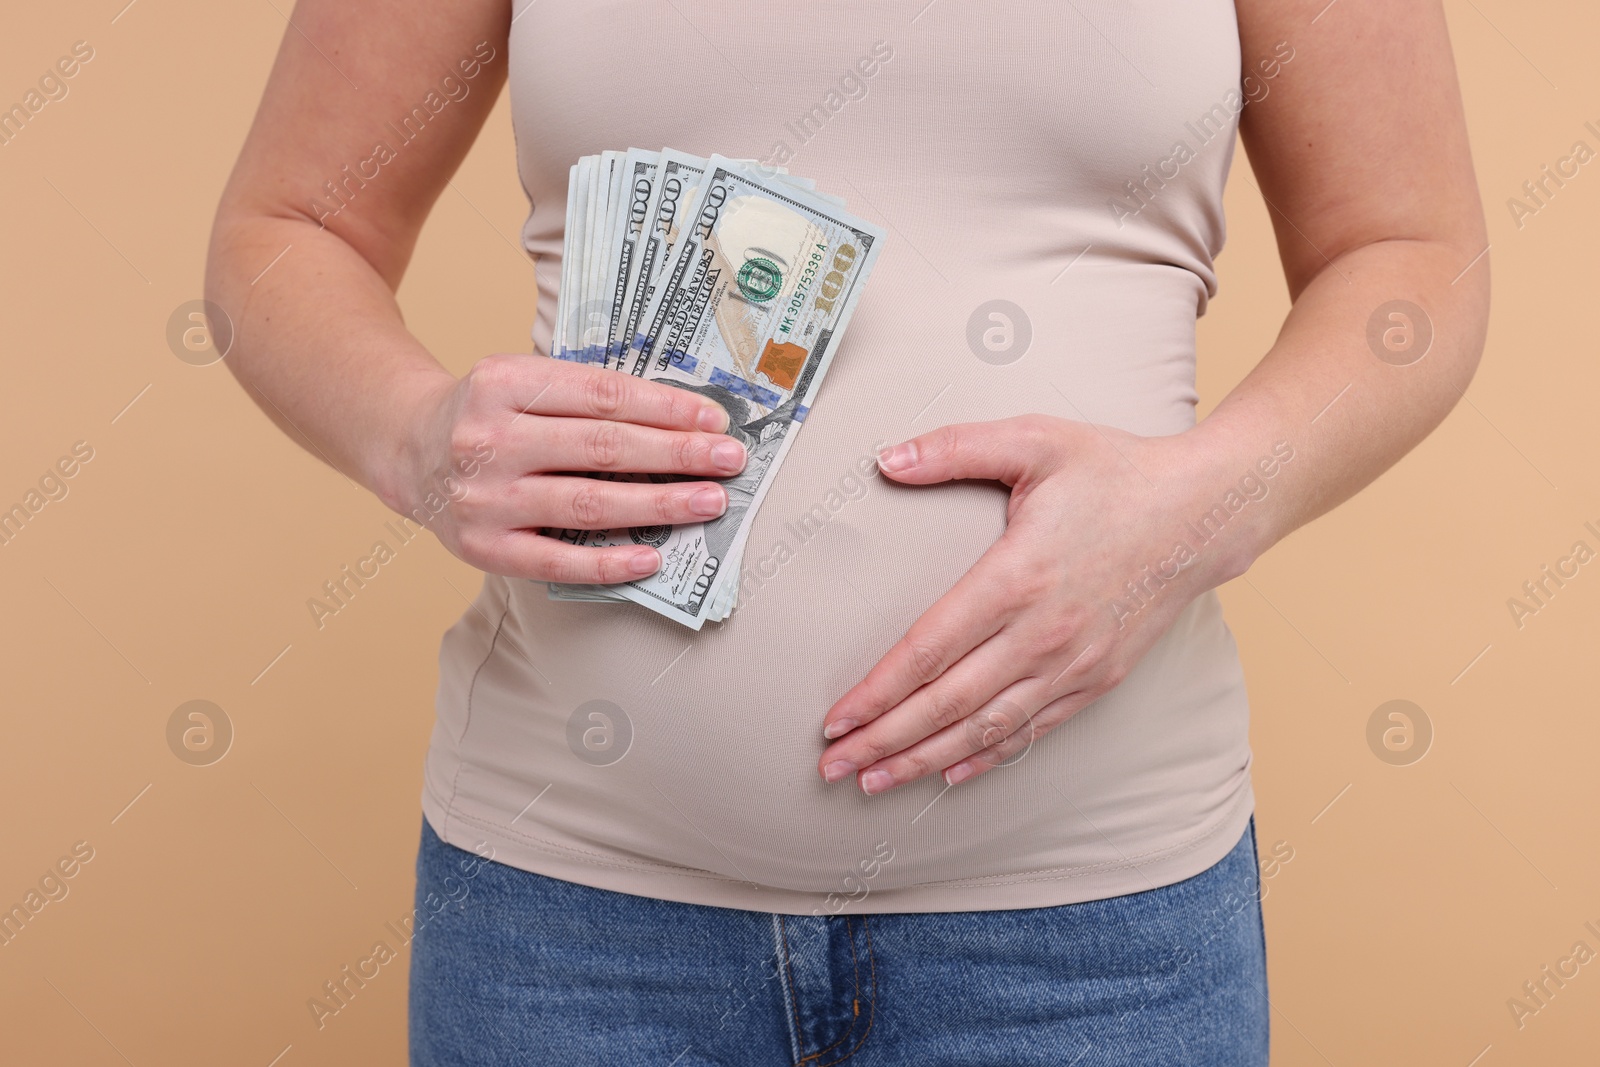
1004, 451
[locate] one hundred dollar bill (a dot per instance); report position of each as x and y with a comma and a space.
640, 173
761, 280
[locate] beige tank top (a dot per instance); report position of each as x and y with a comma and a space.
1050, 176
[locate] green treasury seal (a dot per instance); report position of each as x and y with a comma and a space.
759, 279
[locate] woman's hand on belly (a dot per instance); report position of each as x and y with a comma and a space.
488, 459
1093, 568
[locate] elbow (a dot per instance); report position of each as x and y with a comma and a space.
1467, 298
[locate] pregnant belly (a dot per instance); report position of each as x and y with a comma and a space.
608, 733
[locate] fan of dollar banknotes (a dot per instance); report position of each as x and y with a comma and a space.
719, 276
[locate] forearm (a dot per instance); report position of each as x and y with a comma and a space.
320, 345
1347, 414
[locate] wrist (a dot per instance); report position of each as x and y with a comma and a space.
418, 428
1228, 496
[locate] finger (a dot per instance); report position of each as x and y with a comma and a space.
1004, 451
998, 719
573, 503
525, 554
972, 611
1016, 746
603, 445
582, 390
951, 698
1001, 732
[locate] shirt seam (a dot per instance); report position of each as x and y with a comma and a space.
472, 688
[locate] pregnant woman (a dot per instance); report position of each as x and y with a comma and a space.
965, 778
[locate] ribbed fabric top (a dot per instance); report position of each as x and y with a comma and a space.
1025, 152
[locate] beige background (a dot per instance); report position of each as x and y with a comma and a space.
1419, 898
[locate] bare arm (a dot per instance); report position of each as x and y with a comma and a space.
319, 333
312, 237
1361, 151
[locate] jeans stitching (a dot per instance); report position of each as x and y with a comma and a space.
1261, 928
850, 933
784, 977
794, 992
872, 999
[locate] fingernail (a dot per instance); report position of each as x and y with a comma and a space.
713, 419
959, 773
729, 455
876, 782
709, 502
838, 728
897, 457
646, 562
839, 768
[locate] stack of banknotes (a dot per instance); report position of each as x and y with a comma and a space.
722, 277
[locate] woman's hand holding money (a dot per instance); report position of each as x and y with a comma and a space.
494, 459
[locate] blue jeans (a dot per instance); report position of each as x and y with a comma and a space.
510, 967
